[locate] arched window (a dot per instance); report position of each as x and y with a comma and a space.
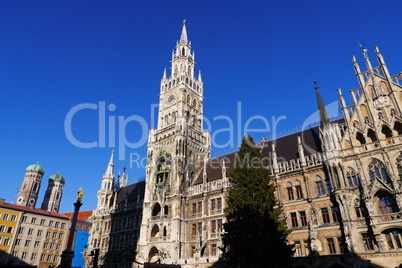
156, 210
386, 131
188, 99
155, 231
360, 138
398, 127
298, 188
352, 178
377, 170
194, 104
289, 191
320, 186
371, 135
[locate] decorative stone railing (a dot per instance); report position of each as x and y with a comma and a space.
210, 186
296, 164
388, 217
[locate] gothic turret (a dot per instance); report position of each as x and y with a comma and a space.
105, 194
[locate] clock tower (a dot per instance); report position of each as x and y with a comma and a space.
177, 150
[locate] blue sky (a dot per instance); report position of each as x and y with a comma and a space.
55, 55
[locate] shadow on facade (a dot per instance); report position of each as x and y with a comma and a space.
120, 230
7, 260
323, 261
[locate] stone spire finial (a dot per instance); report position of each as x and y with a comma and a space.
109, 169
183, 36
321, 107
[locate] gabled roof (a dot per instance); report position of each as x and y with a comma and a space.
130, 192
286, 149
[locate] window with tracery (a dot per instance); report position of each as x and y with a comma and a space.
352, 178
377, 171
387, 205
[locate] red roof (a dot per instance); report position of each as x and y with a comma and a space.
32, 210
84, 215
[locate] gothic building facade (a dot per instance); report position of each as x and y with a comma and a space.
116, 221
339, 184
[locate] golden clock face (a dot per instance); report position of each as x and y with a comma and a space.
171, 98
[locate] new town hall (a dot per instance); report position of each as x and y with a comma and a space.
338, 184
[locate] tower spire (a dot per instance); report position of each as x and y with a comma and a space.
110, 165
321, 107
183, 36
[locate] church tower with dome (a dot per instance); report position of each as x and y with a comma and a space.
54, 192
29, 191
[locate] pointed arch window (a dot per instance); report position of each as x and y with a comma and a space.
352, 178
289, 191
398, 127
386, 131
377, 171
299, 191
371, 134
360, 138
387, 205
320, 186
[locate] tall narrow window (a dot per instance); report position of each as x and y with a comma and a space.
352, 178
360, 212
368, 243
329, 185
219, 203
213, 226
331, 245
340, 245
325, 215
293, 217
320, 188
290, 193
335, 214
303, 218
299, 192
199, 228
219, 225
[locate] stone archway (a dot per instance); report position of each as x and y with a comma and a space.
153, 255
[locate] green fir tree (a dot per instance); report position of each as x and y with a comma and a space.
255, 235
